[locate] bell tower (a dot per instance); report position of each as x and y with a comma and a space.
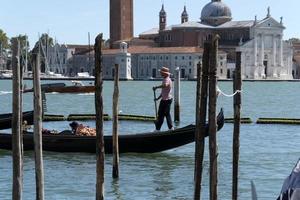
121, 20
184, 16
162, 19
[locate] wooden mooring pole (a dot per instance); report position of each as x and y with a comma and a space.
201, 108
21, 102
237, 86
177, 96
38, 148
213, 151
99, 118
16, 124
115, 172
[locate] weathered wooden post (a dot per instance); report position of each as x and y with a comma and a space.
200, 123
213, 151
26, 55
99, 119
198, 153
38, 148
16, 124
198, 95
21, 101
20, 66
115, 172
177, 95
237, 86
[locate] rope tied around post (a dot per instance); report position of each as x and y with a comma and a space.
220, 92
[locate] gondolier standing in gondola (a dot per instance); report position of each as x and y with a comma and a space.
166, 100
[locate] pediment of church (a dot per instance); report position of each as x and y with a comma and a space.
269, 22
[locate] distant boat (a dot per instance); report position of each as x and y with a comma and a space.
63, 88
136, 143
52, 75
84, 75
6, 74
71, 89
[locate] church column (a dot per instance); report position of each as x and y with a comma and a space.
289, 65
274, 50
262, 50
255, 50
280, 51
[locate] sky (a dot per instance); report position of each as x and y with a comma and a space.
70, 21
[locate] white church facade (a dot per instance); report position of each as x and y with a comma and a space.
267, 56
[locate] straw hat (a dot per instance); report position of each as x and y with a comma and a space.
165, 71
74, 125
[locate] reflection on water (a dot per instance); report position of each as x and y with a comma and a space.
115, 189
5, 92
155, 172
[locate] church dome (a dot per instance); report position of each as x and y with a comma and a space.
215, 13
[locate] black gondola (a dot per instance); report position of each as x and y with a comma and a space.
5, 119
137, 143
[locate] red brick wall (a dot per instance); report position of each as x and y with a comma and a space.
196, 37
187, 37
121, 20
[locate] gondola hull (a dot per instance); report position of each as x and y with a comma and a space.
6, 119
139, 143
135, 143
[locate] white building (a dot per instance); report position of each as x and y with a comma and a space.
146, 61
266, 55
123, 59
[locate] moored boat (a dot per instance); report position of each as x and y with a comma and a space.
137, 143
6, 74
5, 119
71, 89
63, 88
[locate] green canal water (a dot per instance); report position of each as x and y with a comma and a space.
268, 152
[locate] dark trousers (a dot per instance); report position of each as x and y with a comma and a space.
164, 111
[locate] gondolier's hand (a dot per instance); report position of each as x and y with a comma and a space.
154, 88
156, 99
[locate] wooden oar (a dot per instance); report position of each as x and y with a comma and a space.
155, 104
253, 191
